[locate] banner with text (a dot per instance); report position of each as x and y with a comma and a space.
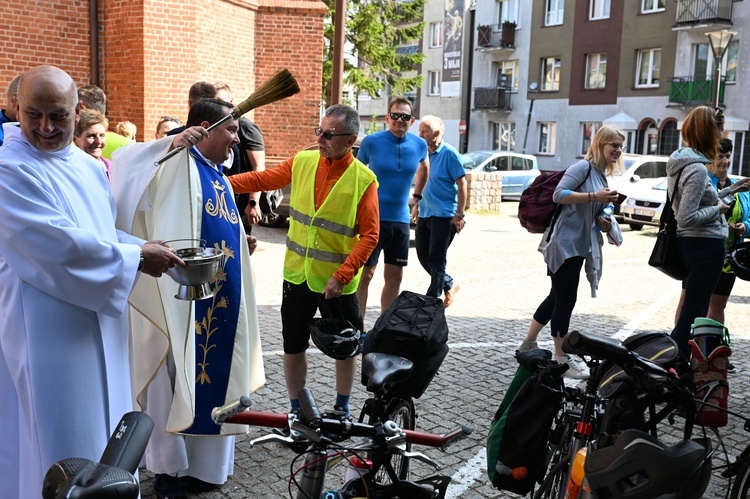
453, 28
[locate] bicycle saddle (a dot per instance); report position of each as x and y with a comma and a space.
385, 369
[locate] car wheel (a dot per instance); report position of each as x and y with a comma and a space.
636, 226
272, 220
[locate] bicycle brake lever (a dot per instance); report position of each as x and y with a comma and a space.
421, 457
272, 438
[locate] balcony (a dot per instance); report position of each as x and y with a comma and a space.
703, 13
407, 49
693, 91
492, 99
491, 37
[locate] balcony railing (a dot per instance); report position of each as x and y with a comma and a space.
496, 36
694, 12
693, 91
491, 98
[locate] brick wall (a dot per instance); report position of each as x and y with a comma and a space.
151, 51
485, 190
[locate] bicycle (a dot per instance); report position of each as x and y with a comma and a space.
318, 437
649, 395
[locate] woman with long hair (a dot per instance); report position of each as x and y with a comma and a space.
701, 224
577, 238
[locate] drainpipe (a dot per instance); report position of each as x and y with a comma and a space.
94, 37
466, 93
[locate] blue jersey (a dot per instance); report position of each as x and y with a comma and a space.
440, 195
394, 161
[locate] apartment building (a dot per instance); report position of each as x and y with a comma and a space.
573, 65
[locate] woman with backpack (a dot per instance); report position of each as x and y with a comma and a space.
575, 238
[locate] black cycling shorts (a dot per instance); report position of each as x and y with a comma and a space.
299, 305
394, 242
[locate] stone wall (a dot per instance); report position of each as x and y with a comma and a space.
484, 191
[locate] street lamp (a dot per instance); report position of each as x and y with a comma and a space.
532, 90
719, 42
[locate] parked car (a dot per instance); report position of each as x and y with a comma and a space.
518, 170
637, 168
644, 203
277, 218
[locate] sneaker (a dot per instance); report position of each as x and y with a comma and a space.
731, 369
341, 412
450, 295
528, 345
574, 371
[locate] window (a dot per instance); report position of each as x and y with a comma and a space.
553, 12
504, 136
596, 71
598, 9
551, 73
433, 83
547, 132
651, 6
507, 10
703, 61
506, 72
649, 64
589, 130
436, 35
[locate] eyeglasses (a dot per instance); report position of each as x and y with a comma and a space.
169, 118
400, 116
616, 146
329, 135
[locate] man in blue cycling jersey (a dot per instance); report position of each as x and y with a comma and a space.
395, 156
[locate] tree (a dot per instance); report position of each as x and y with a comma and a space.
376, 31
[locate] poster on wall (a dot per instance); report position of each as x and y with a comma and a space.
452, 43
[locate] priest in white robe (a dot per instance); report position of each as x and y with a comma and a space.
189, 357
66, 274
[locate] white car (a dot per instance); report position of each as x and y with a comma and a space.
518, 170
637, 169
644, 203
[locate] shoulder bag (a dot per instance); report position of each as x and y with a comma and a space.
665, 256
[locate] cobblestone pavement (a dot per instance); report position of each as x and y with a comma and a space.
502, 279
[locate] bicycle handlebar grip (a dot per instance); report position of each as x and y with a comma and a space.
128, 443
433, 440
220, 414
309, 408
260, 418
601, 347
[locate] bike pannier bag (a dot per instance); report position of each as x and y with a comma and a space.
709, 358
516, 442
536, 210
414, 327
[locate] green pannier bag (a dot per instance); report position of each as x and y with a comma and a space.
516, 442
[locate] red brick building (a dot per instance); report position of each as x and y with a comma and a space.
149, 52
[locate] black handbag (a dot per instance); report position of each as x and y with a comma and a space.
665, 256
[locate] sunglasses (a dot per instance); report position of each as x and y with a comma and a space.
329, 135
400, 116
169, 118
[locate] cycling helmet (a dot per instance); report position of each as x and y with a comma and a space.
739, 259
637, 465
336, 338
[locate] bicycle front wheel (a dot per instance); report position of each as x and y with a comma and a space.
741, 485
554, 485
400, 411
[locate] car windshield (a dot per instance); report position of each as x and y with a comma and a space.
661, 186
473, 159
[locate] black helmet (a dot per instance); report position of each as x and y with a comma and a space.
739, 259
336, 338
637, 465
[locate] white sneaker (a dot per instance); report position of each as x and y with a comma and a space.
575, 370
528, 345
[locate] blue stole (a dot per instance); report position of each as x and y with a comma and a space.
216, 318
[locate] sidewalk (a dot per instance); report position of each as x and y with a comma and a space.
503, 279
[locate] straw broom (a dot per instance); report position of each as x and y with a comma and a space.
279, 86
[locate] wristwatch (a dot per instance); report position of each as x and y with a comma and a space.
141, 263
461, 216
252, 203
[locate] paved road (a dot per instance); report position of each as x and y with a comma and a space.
502, 280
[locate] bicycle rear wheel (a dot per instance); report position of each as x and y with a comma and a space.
741, 486
554, 485
400, 411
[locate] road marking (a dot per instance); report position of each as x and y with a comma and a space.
467, 475
647, 313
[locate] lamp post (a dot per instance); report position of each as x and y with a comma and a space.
719, 41
532, 90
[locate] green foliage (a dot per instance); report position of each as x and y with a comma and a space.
373, 125
380, 32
